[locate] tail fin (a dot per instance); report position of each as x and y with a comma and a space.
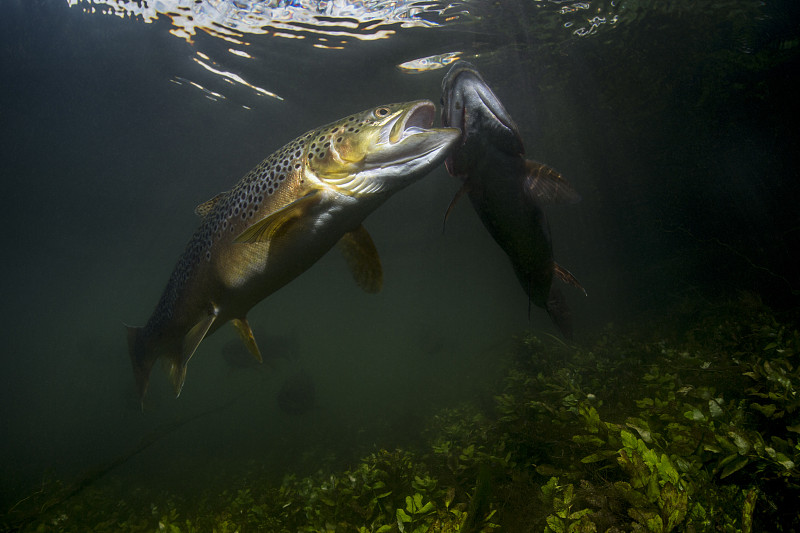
559, 312
142, 359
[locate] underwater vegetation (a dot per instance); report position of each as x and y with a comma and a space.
693, 429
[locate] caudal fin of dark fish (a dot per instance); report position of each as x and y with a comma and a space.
546, 186
559, 312
556, 304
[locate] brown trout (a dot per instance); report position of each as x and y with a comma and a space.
279, 219
506, 190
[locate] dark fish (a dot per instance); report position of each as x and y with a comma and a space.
506, 190
279, 220
297, 395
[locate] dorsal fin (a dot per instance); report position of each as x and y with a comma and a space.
545, 186
206, 207
362, 257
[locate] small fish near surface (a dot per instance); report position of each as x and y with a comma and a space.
279, 219
507, 190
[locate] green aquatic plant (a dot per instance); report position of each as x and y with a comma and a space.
691, 431
564, 519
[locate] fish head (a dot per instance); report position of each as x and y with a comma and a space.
469, 104
380, 150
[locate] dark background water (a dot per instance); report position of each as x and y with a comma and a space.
677, 125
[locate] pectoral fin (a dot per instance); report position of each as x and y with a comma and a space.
269, 228
362, 257
177, 368
544, 185
246, 334
465, 188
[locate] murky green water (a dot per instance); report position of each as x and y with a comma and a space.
675, 123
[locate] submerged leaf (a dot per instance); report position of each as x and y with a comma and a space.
556, 524
766, 410
733, 463
695, 414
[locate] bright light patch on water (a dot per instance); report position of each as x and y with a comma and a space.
211, 95
232, 77
240, 53
232, 20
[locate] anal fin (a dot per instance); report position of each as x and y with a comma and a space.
246, 334
566, 276
362, 258
177, 368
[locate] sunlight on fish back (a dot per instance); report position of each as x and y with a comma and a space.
279, 219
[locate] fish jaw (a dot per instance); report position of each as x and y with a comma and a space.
470, 105
388, 153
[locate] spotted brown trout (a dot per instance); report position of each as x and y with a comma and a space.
279, 219
507, 190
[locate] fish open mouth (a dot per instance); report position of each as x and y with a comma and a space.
406, 145
417, 120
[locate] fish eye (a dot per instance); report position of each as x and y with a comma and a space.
382, 112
